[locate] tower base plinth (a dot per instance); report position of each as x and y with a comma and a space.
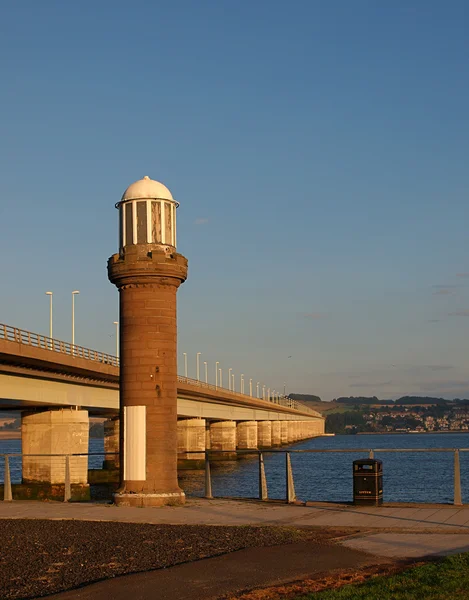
143, 500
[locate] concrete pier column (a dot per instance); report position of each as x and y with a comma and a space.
292, 432
284, 432
264, 434
223, 437
191, 438
63, 431
247, 435
276, 435
207, 435
111, 443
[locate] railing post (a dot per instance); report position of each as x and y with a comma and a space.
457, 480
291, 496
7, 495
371, 454
208, 478
67, 486
263, 494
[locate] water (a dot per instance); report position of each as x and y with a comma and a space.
408, 477
14, 447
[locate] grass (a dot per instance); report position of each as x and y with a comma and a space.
447, 579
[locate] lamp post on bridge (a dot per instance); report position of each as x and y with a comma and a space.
268, 393
74, 293
221, 377
250, 387
185, 364
263, 392
206, 371
216, 374
229, 378
232, 382
198, 365
257, 390
242, 383
50, 294
116, 323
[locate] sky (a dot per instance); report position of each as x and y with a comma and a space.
319, 153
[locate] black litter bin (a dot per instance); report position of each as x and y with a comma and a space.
368, 482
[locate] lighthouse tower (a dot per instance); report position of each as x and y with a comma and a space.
148, 272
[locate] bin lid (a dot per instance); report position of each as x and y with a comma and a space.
367, 461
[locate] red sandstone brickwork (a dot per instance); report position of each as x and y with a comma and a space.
148, 283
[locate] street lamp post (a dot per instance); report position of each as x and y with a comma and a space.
216, 373
257, 390
220, 377
268, 394
263, 392
185, 364
74, 293
50, 316
206, 371
242, 383
250, 387
198, 365
229, 378
116, 323
232, 382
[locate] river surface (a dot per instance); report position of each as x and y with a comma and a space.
407, 477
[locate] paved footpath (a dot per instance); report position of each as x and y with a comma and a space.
387, 530
372, 535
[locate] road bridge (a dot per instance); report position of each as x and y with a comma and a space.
40, 375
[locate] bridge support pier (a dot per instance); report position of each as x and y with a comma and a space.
59, 432
284, 432
111, 444
276, 433
264, 434
191, 438
247, 435
223, 437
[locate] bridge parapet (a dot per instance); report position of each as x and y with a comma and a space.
21, 336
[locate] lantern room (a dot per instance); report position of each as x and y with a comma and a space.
147, 214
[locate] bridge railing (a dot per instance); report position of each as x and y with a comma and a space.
21, 336
281, 401
14, 334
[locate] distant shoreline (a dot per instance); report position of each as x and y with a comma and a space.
409, 432
10, 434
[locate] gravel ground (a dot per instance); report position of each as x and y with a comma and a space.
41, 557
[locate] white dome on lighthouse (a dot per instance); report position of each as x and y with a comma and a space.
146, 188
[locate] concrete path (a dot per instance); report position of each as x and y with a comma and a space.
410, 545
229, 574
377, 535
431, 518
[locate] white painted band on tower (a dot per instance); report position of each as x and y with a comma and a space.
135, 441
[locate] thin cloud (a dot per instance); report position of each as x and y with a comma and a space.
201, 221
459, 313
366, 384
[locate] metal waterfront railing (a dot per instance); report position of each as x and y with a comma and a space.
290, 486
21, 336
13, 334
72, 466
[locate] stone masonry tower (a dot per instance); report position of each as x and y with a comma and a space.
148, 272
